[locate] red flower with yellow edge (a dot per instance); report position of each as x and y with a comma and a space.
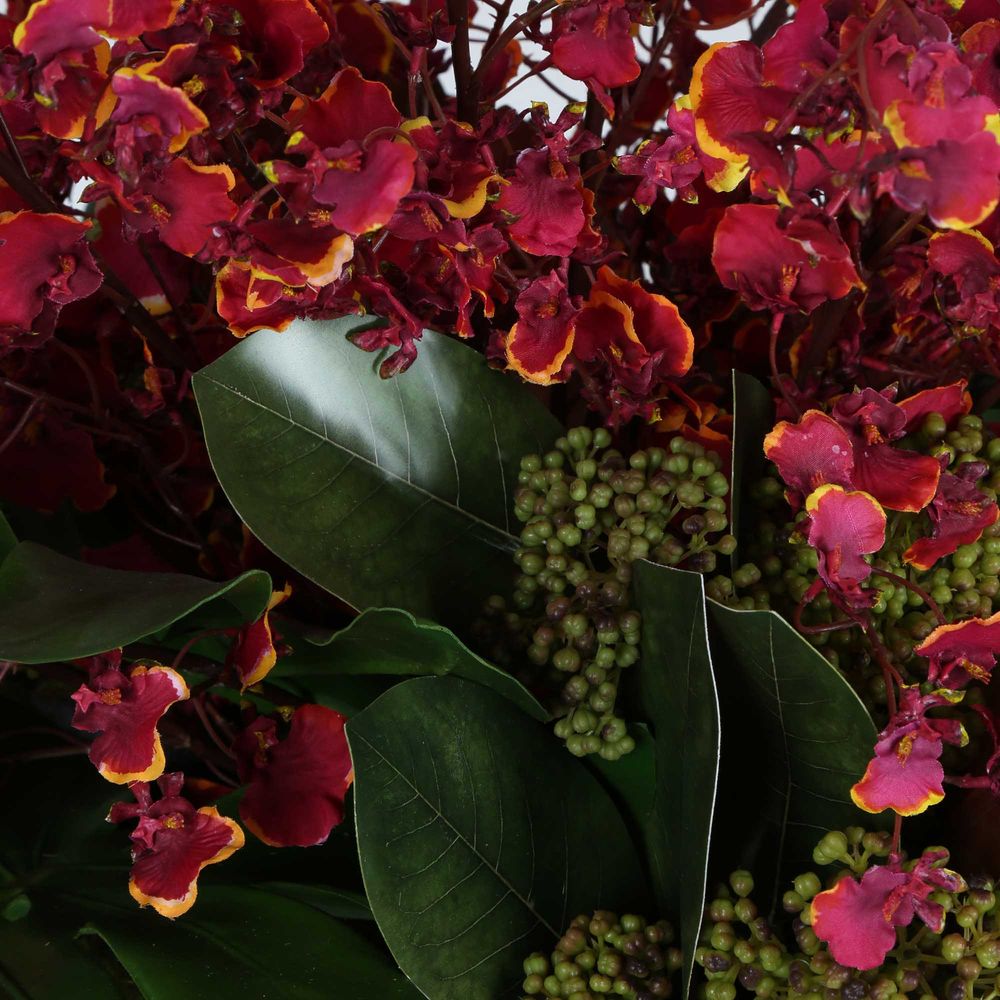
810, 453
253, 653
54, 26
451, 165
633, 330
731, 100
545, 204
899, 479
938, 104
185, 204
172, 843
954, 181
278, 34
858, 919
676, 163
358, 175
299, 253
782, 261
959, 514
45, 263
906, 774
592, 41
541, 340
963, 651
843, 528
124, 708
250, 300
949, 401
140, 104
296, 784
969, 261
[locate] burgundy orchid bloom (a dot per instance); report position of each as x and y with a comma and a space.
785, 263
172, 843
592, 41
541, 340
355, 178
545, 202
45, 263
253, 653
297, 784
843, 527
859, 919
124, 708
897, 478
968, 260
963, 651
186, 204
959, 513
905, 774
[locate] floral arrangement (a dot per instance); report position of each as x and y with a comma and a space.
446, 532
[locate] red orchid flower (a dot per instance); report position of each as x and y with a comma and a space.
859, 919
253, 653
843, 527
959, 514
782, 261
592, 41
279, 34
853, 448
172, 843
545, 202
905, 774
296, 784
124, 708
45, 263
963, 651
632, 329
677, 162
968, 259
541, 340
897, 478
355, 178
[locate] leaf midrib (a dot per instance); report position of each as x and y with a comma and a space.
438, 814
509, 540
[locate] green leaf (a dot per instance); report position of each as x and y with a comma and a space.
241, 942
677, 691
752, 419
273, 939
387, 493
480, 837
390, 641
56, 608
811, 735
7, 537
632, 784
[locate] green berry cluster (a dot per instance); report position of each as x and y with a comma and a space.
606, 955
965, 584
744, 954
588, 512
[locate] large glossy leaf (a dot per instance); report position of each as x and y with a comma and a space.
389, 641
632, 783
811, 737
752, 419
677, 692
55, 608
387, 493
479, 836
240, 940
